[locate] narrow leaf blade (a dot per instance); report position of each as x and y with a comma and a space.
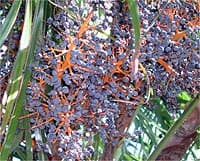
17, 78
133, 9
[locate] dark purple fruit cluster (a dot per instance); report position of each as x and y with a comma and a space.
81, 79
171, 31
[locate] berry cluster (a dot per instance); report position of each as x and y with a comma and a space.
81, 78
170, 49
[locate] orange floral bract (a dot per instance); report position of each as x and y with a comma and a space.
167, 67
179, 35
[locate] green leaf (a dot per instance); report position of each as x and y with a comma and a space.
37, 30
119, 150
98, 146
9, 21
128, 157
197, 140
183, 97
174, 128
162, 114
39, 139
133, 9
17, 73
17, 78
20, 153
147, 128
133, 157
148, 121
20, 79
29, 151
151, 118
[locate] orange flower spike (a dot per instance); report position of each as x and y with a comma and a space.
118, 68
59, 69
84, 26
179, 35
58, 128
82, 68
67, 63
36, 119
167, 67
194, 22
75, 94
138, 84
106, 79
71, 47
81, 46
64, 118
43, 123
41, 82
171, 13
80, 119
69, 131
92, 115
63, 99
43, 95
45, 107
83, 42
28, 115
